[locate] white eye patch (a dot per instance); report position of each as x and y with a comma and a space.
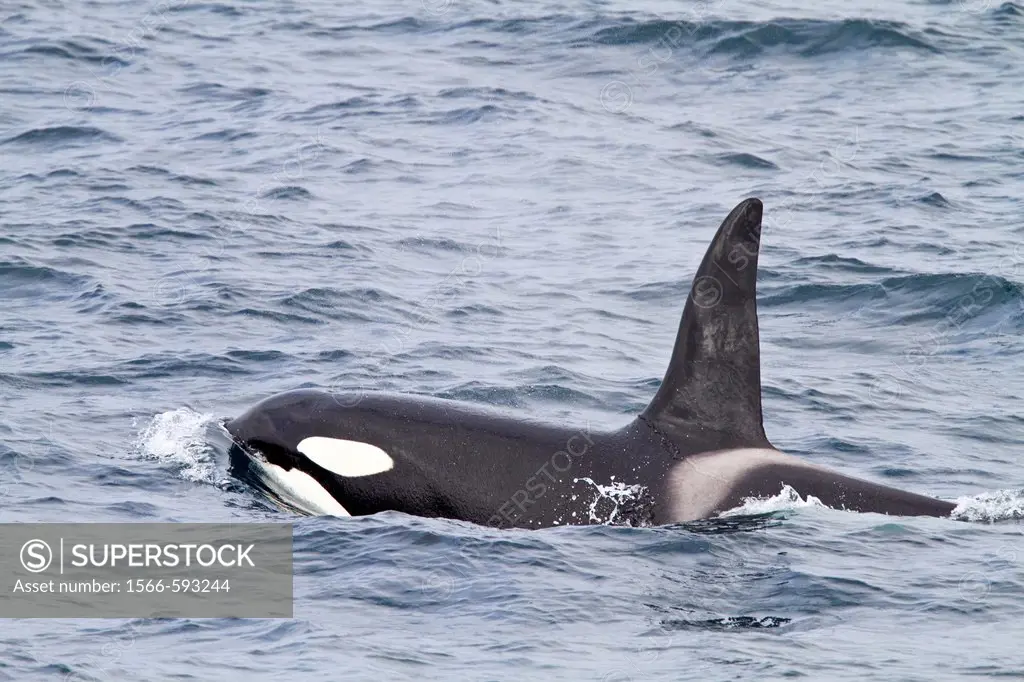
347, 458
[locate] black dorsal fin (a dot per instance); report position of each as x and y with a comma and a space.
713, 383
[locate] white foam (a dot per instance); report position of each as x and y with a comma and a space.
788, 498
178, 438
616, 492
347, 458
996, 506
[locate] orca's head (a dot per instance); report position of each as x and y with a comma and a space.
286, 447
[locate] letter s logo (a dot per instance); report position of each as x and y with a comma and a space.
36, 556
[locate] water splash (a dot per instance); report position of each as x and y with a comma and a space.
788, 498
1001, 505
620, 495
178, 438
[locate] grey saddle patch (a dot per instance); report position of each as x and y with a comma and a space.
703, 483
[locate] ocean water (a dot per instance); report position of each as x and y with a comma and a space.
203, 203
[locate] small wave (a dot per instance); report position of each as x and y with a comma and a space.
211, 7
1008, 9
859, 34
935, 200
465, 115
359, 303
288, 192
357, 105
654, 291
915, 298
226, 135
73, 51
807, 38
432, 244
153, 365
524, 26
746, 160
216, 91
474, 311
833, 261
850, 295
257, 355
488, 93
962, 297
403, 25
25, 280
362, 165
178, 438
787, 499
182, 179
277, 316
62, 135
1002, 505
356, 102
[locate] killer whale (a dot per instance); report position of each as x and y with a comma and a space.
698, 449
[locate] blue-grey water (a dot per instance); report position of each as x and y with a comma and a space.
203, 203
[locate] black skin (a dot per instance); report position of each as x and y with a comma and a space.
460, 461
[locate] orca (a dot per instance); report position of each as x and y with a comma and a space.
697, 450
